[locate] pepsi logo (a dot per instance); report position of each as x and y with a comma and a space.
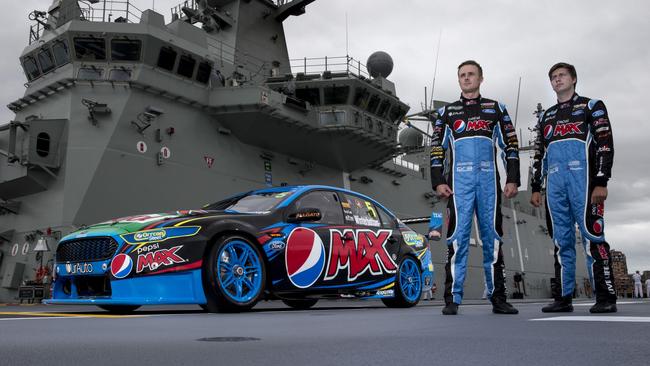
459, 125
598, 226
121, 265
304, 257
548, 131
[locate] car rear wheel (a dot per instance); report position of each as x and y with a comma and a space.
408, 285
119, 309
234, 275
300, 304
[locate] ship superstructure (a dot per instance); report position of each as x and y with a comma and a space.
124, 113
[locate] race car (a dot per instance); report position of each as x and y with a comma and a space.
295, 243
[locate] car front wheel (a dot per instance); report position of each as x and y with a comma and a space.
234, 275
408, 285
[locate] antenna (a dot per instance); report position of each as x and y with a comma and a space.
347, 45
517, 107
435, 69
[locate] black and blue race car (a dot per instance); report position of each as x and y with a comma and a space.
298, 244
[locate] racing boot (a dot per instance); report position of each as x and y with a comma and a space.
500, 306
561, 305
450, 309
603, 307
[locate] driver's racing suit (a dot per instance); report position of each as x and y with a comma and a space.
471, 129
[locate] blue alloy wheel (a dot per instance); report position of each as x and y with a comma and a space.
410, 280
234, 275
239, 271
408, 285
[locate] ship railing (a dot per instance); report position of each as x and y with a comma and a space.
399, 161
221, 52
119, 11
336, 64
177, 11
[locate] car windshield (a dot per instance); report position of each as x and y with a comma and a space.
251, 202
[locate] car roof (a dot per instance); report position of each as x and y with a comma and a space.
298, 190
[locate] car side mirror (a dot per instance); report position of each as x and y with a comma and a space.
305, 215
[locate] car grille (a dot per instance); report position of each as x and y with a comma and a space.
86, 250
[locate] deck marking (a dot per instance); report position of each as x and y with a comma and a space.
62, 315
609, 318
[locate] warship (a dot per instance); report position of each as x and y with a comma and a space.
125, 114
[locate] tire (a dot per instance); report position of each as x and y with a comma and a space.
234, 275
408, 285
300, 304
119, 309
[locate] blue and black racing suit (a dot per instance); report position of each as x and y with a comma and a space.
471, 129
575, 152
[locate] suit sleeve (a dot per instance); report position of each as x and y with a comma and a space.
601, 130
538, 159
510, 146
438, 149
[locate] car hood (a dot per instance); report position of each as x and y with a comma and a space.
144, 222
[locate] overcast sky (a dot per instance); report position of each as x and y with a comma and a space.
607, 41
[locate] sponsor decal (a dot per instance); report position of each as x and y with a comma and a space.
552, 112
359, 252
78, 268
413, 239
470, 102
465, 166
603, 252
598, 113
598, 229
548, 131
454, 108
160, 235
455, 113
147, 248
579, 106
479, 125
459, 126
598, 210
277, 245
602, 129
578, 112
390, 292
487, 105
489, 111
121, 265
506, 118
162, 257
304, 257
569, 128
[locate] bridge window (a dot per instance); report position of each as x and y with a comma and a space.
361, 98
203, 73
383, 109
396, 113
60, 51
186, 66
31, 69
46, 60
119, 74
373, 104
90, 73
167, 58
43, 144
125, 50
90, 49
310, 95
336, 94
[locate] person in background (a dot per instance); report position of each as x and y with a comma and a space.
638, 288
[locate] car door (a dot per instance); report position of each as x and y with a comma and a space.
363, 251
308, 245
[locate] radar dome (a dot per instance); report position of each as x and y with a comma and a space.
409, 137
379, 64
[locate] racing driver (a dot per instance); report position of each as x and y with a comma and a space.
575, 151
471, 128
